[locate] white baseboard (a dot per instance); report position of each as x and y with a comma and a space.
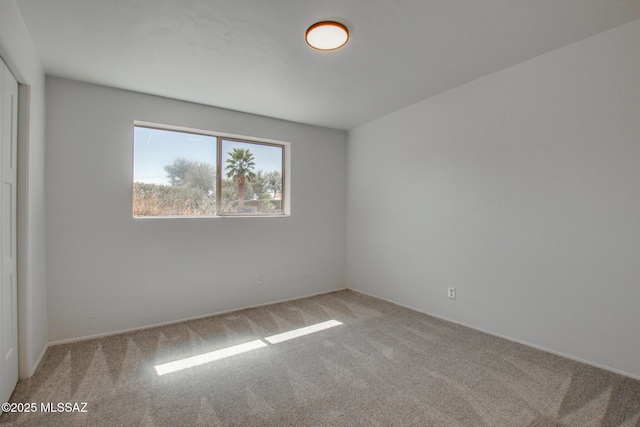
537, 347
172, 322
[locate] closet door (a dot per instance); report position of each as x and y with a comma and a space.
8, 212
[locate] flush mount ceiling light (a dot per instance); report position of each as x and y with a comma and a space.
327, 35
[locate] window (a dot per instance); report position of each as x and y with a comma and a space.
181, 172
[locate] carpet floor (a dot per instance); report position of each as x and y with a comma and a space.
338, 359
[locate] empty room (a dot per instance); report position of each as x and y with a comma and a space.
320, 213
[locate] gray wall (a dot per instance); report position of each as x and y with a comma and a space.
18, 52
522, 190
109, 272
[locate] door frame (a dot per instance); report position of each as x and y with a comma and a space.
25, 369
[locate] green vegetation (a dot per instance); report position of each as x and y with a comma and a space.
165, 200
191, 174
240, 166
191, 188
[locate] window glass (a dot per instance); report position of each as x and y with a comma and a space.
174, 175
252, 177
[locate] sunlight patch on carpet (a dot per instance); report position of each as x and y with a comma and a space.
212, 356
296, 333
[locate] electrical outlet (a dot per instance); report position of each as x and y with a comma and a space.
451, 293
260, 282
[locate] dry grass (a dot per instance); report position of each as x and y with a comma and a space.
162, 200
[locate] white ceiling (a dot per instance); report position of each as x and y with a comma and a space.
250, 55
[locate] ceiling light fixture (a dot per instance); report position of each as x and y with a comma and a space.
327, 35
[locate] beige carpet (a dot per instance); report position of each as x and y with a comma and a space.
383, 366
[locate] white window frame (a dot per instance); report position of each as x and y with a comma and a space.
286, 168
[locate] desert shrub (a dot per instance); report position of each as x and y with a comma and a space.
164, 200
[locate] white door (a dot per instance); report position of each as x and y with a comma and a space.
8, 266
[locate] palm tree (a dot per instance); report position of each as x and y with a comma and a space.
240, 167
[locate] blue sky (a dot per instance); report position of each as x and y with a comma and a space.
156, 148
